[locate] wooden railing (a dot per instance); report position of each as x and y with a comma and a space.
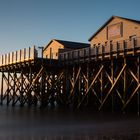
23, 55
122, 47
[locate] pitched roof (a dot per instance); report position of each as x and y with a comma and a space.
132, 20
73, 45
70, 44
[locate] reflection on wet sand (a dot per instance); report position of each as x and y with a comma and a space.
134, 136
59, 124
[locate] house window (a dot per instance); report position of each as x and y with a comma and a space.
115, 30
132, 37
46, 56
56, 54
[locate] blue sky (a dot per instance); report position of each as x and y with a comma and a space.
25, 23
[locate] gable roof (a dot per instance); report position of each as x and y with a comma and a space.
73, 45
69, 44
111, 18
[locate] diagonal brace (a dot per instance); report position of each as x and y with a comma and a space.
36, 78
75, 81
91, 85
131, 97
112, 86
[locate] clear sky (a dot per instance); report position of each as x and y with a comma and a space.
25, 23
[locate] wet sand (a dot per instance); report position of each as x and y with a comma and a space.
50, 124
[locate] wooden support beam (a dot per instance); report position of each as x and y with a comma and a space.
21, 90
124, 79
138, 74
133, 75
36, 78
112, 87
14, 88
8, 94
87, 80
100, 100
67, 82
121, 98
134, 92
90, 85
116, 88
75, 81
54, 85
101, 87
2, 76
72, 78
94, 79
17, 89
112, 77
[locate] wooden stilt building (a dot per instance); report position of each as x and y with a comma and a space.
104, 76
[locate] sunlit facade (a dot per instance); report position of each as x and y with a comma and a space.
114, 30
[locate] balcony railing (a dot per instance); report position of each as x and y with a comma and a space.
122, 47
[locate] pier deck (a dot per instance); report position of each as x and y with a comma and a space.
97, 77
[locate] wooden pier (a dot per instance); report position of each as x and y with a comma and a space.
101, 78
